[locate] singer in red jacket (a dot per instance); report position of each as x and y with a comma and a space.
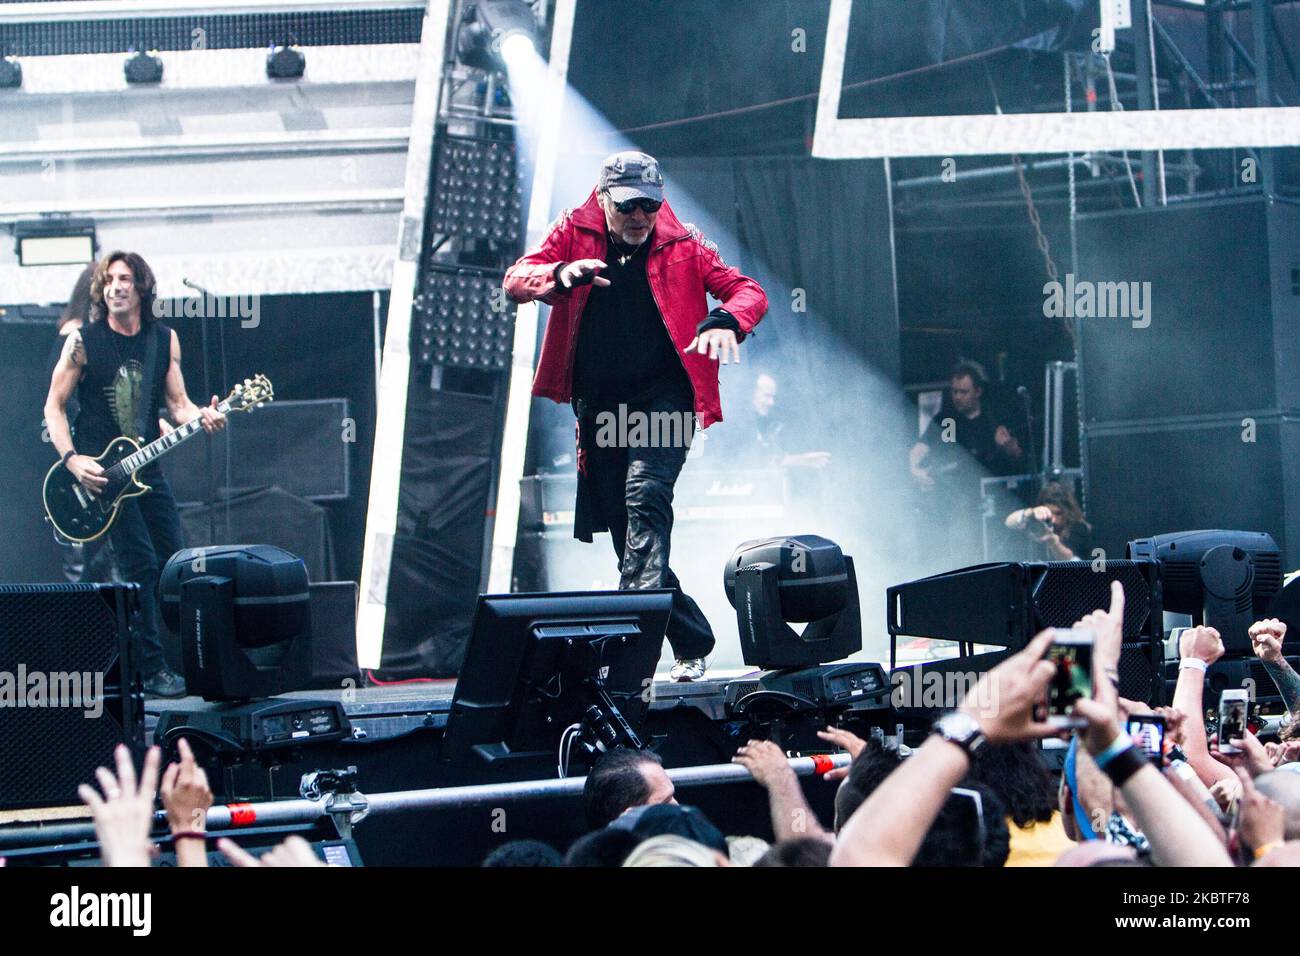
632, 345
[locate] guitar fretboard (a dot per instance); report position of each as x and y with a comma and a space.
160, 446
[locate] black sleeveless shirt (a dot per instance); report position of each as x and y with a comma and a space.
112, 391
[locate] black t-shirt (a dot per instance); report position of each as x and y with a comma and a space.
624, 351
748, 440
976, 435
112, 393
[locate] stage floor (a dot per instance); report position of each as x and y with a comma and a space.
393, 709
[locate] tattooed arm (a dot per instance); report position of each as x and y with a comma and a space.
1266, 637
67, 374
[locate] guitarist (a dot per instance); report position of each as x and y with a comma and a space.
123, 366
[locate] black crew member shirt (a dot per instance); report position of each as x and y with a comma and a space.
625, 354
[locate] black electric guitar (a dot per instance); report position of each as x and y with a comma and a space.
81, 515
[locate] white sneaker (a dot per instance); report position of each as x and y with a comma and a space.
687, 669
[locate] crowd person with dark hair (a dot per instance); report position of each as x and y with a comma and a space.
954, 837
630, 331
622, 779
607, 847
1056, 523
123, 366
526, 853
1015, 772
797, 852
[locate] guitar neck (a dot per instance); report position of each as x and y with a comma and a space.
160, 446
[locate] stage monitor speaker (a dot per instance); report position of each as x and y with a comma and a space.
69, 688
269, 516
1006, 604
301, 447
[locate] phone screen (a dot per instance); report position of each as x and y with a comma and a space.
1232, 720
1148, 732
1071, 652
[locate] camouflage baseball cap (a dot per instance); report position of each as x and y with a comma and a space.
632, 175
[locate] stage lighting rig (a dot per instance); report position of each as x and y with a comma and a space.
11, 73
243, 614
55, 241
464, 320
285, 62
143, 67
476, 190
496, 34
797, 578
1223, 579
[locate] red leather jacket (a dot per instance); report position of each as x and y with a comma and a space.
681, 266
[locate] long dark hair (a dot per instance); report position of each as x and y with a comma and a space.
145, 284
78, 307
1055, 493
1015, 772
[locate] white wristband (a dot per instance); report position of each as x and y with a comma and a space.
1193, 663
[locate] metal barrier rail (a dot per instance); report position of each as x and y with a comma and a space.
352, 808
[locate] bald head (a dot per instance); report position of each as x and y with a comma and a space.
1284, 787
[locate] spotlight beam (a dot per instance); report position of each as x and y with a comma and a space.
514, 441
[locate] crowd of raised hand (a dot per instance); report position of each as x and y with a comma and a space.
1211, 805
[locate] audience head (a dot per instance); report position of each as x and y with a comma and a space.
868, 771
524, 853
1015, 772
607, 847
622, 779
670, 850
956, 837
950, 840
669, 818
803, 851
1283, 786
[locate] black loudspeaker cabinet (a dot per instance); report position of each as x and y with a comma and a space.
300, 446
1193, 421
333, 636
69, 688
1007, 603
269, 516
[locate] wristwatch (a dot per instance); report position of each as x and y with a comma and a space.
961, 729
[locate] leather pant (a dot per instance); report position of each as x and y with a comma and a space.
632, 488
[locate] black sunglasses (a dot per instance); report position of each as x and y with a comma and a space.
645, 205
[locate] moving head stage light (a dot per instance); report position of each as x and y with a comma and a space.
243, 613
1223, 579
798, 578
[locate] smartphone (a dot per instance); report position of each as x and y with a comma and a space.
1148, 732
1071, 652
1233, 707
968, 808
